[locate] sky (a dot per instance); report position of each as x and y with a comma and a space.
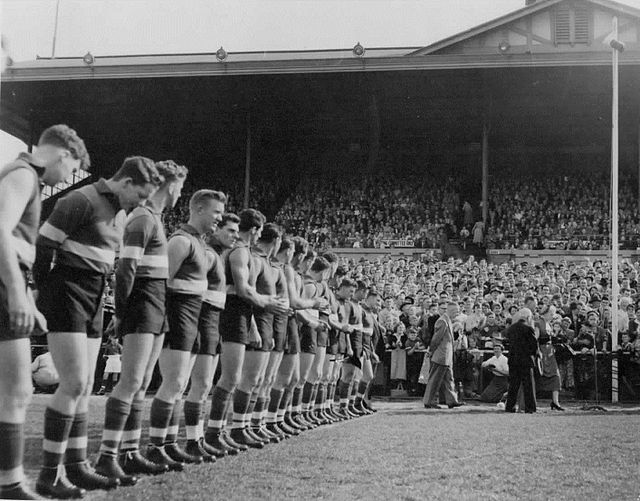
121, 27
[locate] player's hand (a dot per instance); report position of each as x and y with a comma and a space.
320, 304
21, 313
254, 337
272, 344
40, 323
277, 306
349, 352
322, 326
375, 358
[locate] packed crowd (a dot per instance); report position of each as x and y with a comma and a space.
557, 211
571, 306
371, 211
542, 210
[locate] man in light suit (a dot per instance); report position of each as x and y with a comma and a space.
441, 352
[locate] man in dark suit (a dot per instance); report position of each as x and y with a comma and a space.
441, 370
523, 347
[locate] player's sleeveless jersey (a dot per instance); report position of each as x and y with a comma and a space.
216, 293
191, 278
145, 242
24, 235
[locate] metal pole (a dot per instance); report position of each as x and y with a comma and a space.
247, 166
485, 172
55, 31
614, 218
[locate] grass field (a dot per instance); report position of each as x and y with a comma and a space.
406, 452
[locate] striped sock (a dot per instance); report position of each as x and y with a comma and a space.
362, 388
133, 427
284, 404
77, 445
321, 395
220, 400
256, 413
116, 414
343, 390
274, 405
296, 402
306, 396
312, 398
200, 426
191, 417
56, 434
240, 407
331, 393
160, 416
12, 447
174, 423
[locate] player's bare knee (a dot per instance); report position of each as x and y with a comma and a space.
74, 389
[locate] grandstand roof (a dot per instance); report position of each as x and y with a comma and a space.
547, 91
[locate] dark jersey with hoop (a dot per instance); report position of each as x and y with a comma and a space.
235, 319
191, 277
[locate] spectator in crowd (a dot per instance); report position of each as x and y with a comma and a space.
415, 354
523, 346
396, 341
499, 384
112, 353
549, 379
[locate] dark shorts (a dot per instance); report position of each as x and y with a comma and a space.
235, 320
264, 321
71, 301
333, 345
6, 334
366, 346
145, 312
280, 332
208, 340
292, 343
308, 339
183, 311
356, 346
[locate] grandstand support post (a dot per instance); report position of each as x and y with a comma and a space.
485, 171
247, 164
614, 215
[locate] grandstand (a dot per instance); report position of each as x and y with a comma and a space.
484, 106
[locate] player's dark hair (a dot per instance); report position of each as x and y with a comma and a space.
270, 233
251, 218
141, 170
348, 282
332, 257
301, 245
319, 265
228, 217
286, 244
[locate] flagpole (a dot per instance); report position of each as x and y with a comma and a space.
614, 217
55, 31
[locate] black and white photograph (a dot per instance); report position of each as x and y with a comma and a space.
320, 249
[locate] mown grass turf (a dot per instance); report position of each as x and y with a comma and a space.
405, 452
